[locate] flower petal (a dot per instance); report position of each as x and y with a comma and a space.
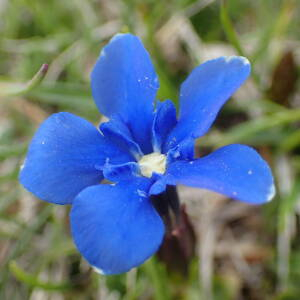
204, 92
124, 82
115, 130
116, 173
236, 171
184, 150
65, 156
115, 227
164, 121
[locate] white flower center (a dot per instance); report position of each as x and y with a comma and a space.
153, 162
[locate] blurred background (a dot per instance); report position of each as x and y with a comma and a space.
223, 249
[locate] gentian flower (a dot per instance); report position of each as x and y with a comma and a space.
141, 150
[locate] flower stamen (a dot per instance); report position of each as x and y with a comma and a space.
153, 162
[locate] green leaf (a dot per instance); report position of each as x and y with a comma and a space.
15, 89
34, 281
25, 238
229, 29
251, 128
158, 278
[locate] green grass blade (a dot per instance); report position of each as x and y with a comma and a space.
33, 281
229, 29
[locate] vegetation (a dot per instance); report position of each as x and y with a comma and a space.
242, 251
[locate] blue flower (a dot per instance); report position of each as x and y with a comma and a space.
142, 149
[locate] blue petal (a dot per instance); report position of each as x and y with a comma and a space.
160, 185
116, 173
124, 82
164, 121
115, 130
185, 150
204, 92
64, 157
236, 171
115, 227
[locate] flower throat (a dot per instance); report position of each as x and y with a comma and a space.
153, 162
